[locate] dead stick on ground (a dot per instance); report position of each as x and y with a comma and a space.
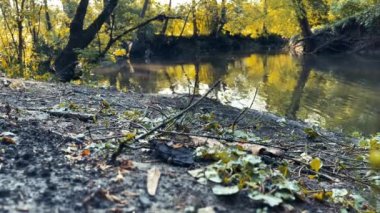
237, 119
163, 124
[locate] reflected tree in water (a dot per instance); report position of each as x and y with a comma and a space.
299, 90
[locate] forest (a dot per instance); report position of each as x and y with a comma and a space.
189, 106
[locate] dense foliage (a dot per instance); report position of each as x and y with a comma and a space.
33, 33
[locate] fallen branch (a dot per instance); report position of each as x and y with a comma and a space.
160, 17
163, 124
221, 139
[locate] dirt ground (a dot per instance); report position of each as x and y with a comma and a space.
47, 170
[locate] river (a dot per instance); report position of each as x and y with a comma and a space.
340, 93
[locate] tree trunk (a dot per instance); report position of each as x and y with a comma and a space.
213, 9
303, 23
166, 22
265, 11
144, 9
47, 16
194, 16
80, 38
19, 21
223, 17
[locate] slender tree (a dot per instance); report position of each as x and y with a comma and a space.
144, 9
80, 38
194, 18
166, 22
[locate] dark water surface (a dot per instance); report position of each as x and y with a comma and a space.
336, 92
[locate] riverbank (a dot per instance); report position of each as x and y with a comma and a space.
174, 48
60, 138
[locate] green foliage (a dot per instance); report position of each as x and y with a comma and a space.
236, 170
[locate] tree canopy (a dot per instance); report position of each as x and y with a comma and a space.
34, 33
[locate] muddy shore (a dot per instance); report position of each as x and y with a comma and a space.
47, 170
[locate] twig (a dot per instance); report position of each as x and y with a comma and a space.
237, 119
123, 145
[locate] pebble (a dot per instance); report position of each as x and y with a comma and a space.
145, 201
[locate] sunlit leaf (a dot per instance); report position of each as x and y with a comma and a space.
268, 199
225, 190
316, 164
374, 159
320, 196
196, 173
252, 159
311, 133
339, 195
284, 170
212, 175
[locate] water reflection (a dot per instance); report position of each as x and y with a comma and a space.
334, 92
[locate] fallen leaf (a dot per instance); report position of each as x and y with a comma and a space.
253, 148
103, 166
374, 159
152, 180
126, 165
202, 141
268, 199
112, 198
259, 149
85, 153
316, 164
17, 84
7, 140
225, 190
311, 133
212, 175
320, 196
209, 209
119, 177
196, 173
177, 146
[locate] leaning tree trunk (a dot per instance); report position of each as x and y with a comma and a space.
303, 23
80, 38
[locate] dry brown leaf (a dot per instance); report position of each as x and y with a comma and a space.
8, 140
85, 152
126, 165
119, 177
259, 149
114, 198
177, 146
17, 84
152, 180
103, 166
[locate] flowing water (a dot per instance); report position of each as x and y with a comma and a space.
337, 92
